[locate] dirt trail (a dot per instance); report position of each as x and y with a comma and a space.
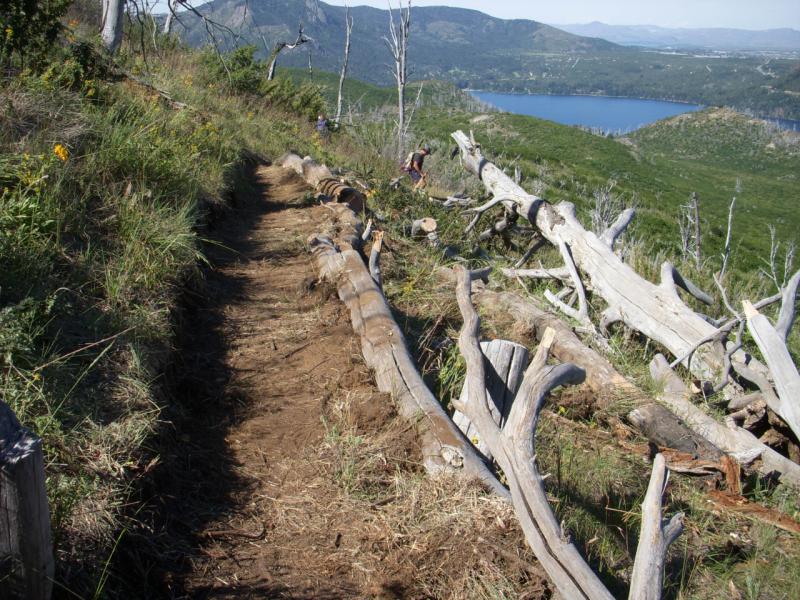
282, 471
263, 356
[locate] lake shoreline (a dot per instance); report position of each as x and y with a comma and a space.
471, 90
613, 114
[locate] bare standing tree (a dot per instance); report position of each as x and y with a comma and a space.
279, 47
691, 236
348, 22
171, 6
398, 46
113, 12
726, 254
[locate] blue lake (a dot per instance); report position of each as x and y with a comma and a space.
616, 115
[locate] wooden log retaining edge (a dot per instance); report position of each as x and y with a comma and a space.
385, 351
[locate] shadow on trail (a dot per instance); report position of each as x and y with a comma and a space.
194, 484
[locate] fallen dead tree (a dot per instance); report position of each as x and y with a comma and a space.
739, 443
385, 351
513, 447
651, 419
655, 310
771, 341
322, 180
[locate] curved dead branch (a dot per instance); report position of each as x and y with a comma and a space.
786, 316
670, 277
513, 447
514, 452
618, 227
655, 537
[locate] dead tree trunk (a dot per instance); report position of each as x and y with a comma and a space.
398, 46
348, 22
772, 343
513, 447
281, 46
322, 180
170, 16
698, 233
26, 546
505, 364
655, 537
608, 386
386, 354
739, 443
113, 13
657, 311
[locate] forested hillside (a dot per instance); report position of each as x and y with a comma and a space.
477, 51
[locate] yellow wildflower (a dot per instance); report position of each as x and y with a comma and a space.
61, 152
9, 33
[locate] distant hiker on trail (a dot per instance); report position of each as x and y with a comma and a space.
413, 166
322, 127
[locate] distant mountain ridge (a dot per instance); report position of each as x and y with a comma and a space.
444, 39
474, 50
653, 36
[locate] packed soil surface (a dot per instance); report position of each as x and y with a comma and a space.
279, 461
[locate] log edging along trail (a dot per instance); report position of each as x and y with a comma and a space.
338, 259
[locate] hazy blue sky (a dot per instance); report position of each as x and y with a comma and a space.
745, 14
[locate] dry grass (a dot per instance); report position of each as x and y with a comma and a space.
398, 532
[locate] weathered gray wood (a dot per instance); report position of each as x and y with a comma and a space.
659, 425
786, 317
607, 384
784, 372
505, 365
279, 47
322, 180
654, 310
655, 537
618, 227
652, 420
375, 259
738, 442
112, 24
424, 226
26, 546
348, 22
561, 273
514, 451
385, 352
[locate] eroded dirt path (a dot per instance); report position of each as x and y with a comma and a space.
263, 357
282, 472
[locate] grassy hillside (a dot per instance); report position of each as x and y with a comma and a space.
477, 51
360, 97
655, 168
105, 190
108, 186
